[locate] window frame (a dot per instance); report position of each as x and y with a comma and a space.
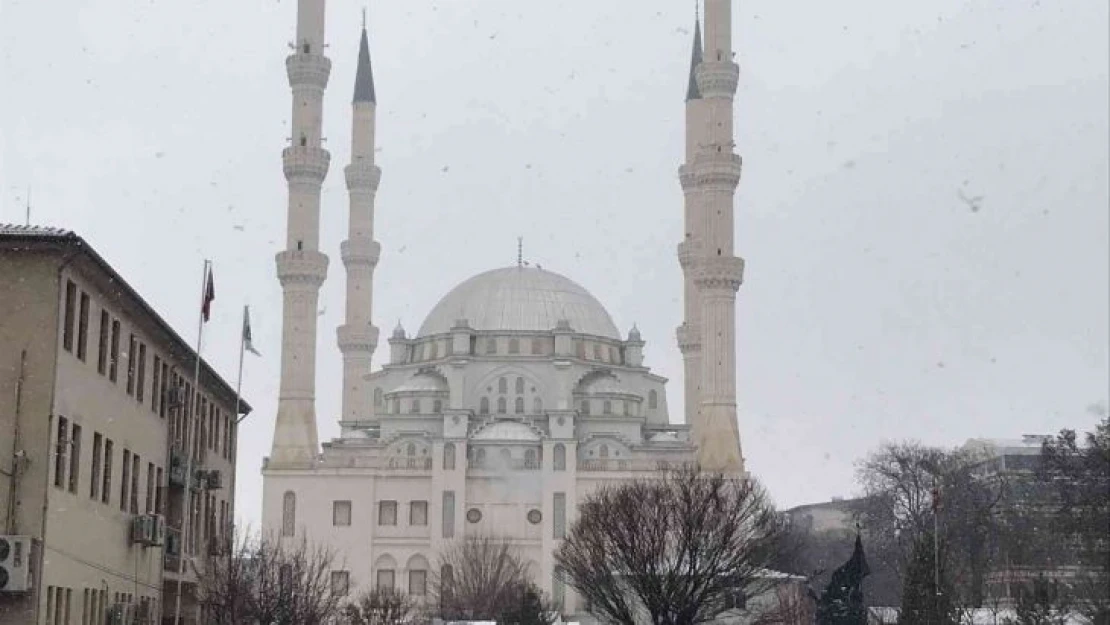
385, 505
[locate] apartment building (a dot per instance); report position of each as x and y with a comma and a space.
115, 472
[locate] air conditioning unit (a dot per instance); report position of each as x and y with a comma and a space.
144, 613
15, 563
214, 479
148, 530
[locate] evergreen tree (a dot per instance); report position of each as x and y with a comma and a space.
842, 601
924, 601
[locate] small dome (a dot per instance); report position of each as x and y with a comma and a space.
524, 299
634, 334
506, 431
399, 331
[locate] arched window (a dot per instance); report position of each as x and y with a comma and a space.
585, 406
480, 457
502, 385
491, 346
530, 459
519, 386
506, 454
377, 397
437, 406
537, 405
626, 408
410, 449
501, 409
518, 408
603, 451
597, 352
514, 346
607, 407
580, 349
537, 347
446, 578
449, 456
614, 355
288, 513
653, 399
415, 407
483, 406
560, 453
433, 350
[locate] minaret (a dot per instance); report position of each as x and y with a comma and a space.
717, 272
689, 340
301, 268
358, 337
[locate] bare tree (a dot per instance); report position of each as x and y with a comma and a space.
382, 606
263, 580
483, 578
680, 549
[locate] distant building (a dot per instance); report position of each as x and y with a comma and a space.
96, 395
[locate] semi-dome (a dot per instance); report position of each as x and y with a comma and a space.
520, 299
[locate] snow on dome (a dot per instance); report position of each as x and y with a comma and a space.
522, 299
422, 383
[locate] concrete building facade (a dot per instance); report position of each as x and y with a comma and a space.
99, 412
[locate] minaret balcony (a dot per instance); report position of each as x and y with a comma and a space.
717, 168
718, 79
362, 177
686, 178
688, 253
301, 267
304, 163
689, 338
720, 273
357, 339
360, 252
308, 70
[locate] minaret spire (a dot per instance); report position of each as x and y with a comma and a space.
302, 268
357, 337
713, 274
692, 91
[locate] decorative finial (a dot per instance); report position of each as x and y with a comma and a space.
363, 18
520, 251
28, 222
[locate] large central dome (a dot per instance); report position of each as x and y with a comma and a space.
520, 299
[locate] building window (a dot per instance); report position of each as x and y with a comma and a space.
113, 364
502, 385
448, 514
106, 483
518, 405
75, 458
437, 406
433, 350
135, 467
70, 310
163, 391
154, 384
387, 512
131, 365
150, 488
653, 399
289, 513
473, 515
607, 407
560, 453
102, 344
514, 346
501, 405
491, 346
60, 452
530, 459
418, 583
94, 481
340, 583
341, 513
603, 451
537, 347
559, 525
377, 397
83, 327
140, 390
385, 579
597, 351
446, 578
537, 405
614, 355
449, 456
585, 406
558, 589
125, 483
580, 349
518, 386
158, 504
418, 513
415, 409
483, 406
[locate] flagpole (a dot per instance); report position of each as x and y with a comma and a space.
188, 512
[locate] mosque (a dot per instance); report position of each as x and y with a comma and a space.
517, 395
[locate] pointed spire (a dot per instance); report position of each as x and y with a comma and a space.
692, 91
364, 75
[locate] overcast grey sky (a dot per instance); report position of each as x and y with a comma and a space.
879, 303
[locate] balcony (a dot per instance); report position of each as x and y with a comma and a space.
171, 556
